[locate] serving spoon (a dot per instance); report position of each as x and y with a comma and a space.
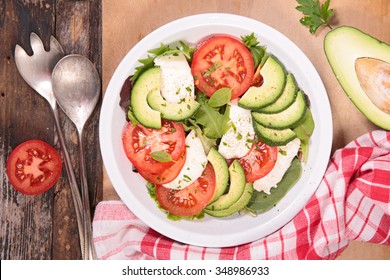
76, 85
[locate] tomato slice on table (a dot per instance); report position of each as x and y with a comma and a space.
223, 61
33, 167
167, 175
259, 161
190, 200
140, 142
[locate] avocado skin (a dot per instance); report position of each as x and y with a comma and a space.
343, 45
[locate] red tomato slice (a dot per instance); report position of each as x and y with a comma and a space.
167, 175
139, 142
33, 167
190, 200
259, 161
223, 61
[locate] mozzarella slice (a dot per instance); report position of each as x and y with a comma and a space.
196, 161
237, 141
285, 155
177, 81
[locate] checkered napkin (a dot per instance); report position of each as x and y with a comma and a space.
351, 203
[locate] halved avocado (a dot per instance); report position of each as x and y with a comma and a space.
361, 64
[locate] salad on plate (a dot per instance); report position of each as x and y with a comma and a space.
217, 129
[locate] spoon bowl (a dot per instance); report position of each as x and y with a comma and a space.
76, 85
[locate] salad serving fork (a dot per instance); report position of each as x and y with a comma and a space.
36, 70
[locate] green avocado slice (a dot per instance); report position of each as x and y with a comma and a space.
221, 170
354, 56
274, 81
236, 189
147, 82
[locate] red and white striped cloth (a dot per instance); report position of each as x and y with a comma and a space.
351, 203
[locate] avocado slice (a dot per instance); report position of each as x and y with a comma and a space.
285, 99
236, 189
274, 81
147, 82
361, 64
172, 111
236, 206
285, 119
274, 137
221, 170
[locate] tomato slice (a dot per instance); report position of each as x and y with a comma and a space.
167, 175
223, 61
259, 161
190, 200
33, 167
139, 142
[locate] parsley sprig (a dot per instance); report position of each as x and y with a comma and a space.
315, 14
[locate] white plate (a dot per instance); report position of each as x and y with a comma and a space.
211, 231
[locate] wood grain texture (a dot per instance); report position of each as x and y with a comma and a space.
126, 22
43, 226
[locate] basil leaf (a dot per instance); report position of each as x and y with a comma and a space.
161, 156
220, 97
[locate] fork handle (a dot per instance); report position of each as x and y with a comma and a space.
72, 181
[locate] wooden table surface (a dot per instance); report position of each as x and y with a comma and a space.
44, 227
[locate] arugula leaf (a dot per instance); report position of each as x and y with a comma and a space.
315, 14
214, 123
252, 44
303, 131
220, 98
161, 156
148, 62
131, 116
206, 142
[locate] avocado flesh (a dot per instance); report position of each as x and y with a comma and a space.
221, 170
236, 189
147, 82
345, 48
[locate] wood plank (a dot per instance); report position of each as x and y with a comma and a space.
78, 30
25, 222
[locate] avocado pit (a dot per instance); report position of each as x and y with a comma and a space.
374, 78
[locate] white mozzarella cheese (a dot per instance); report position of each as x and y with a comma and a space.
285, 155
194, 165
177, 81
237, 141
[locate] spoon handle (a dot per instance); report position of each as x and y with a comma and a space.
88, 242
72, 181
